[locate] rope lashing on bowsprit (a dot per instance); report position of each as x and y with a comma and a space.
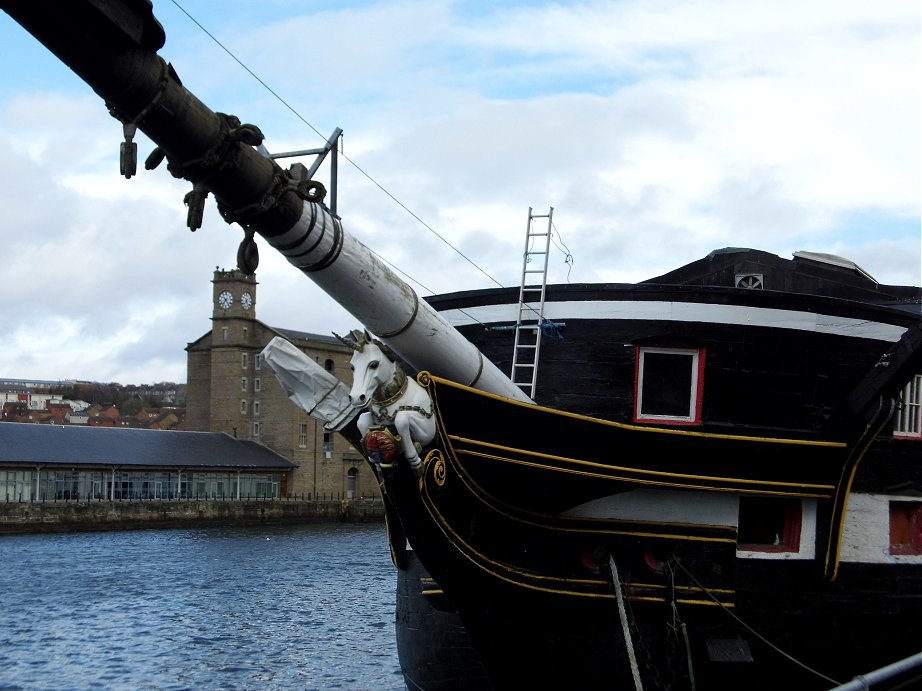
625, 628
674, 560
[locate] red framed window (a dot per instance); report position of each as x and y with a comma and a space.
769, 524
669, 385
905, 527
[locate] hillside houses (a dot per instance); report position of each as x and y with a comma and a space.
32, 405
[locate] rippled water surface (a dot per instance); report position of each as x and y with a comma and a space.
303, 607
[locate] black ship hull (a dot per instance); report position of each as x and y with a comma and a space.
531, 520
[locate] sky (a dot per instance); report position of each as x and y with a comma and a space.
657, 130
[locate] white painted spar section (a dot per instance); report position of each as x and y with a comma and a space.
694, 508
643, 310
358, 280
866, 537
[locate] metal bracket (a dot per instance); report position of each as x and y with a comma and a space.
297, 170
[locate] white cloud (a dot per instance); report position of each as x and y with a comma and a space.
658, 131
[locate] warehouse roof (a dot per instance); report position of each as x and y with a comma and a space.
22, 443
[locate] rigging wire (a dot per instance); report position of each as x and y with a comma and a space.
568, 256
748, 627
353, 163
560, 245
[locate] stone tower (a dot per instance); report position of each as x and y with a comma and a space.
233, 348
229, 390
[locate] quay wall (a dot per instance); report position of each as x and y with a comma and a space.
72, 516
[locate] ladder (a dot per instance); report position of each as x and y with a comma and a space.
528, 326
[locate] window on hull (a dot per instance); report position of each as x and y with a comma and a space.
905, 527
909, 416
669, 385
769, 525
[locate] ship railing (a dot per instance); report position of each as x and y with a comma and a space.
74, 498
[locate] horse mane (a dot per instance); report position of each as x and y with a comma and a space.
357, 340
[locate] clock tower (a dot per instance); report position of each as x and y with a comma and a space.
229, 389
235, 345
233, 295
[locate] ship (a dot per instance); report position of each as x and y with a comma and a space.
678, 455
709, 480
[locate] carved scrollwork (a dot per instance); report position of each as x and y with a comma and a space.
436, 461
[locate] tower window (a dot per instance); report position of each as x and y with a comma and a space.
243, 383
244, 360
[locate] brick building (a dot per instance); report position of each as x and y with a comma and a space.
230, 390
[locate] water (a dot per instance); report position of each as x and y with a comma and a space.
295, 607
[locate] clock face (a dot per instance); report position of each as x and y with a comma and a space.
246, 300
225, 299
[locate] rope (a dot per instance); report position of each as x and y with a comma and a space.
749, 628
622, 613
559, 243
680, 626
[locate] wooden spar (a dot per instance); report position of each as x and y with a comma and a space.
370, 291
113, 47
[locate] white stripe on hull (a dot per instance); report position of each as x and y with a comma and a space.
652, 310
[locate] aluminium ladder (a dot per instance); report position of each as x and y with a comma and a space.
530, 319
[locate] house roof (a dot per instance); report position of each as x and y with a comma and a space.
292, 335
304, 338
73, 445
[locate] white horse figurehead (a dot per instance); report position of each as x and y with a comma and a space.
393, 399
374, 371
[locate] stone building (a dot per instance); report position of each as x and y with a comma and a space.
230, 390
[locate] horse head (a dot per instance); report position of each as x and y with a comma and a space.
373, 367
380, 384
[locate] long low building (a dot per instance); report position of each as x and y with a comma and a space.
71, 462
